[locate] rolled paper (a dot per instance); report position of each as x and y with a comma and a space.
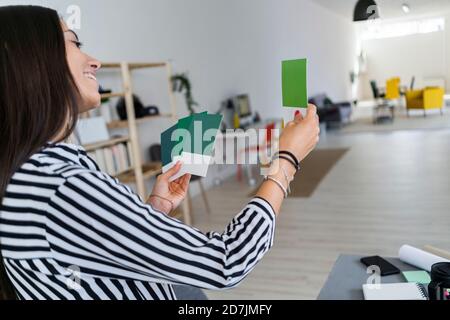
419, 258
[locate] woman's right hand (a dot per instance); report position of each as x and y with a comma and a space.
298, 137
301, 135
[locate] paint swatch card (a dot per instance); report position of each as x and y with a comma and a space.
294, 83
417, 276
190, 141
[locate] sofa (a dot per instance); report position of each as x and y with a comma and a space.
428, 98
331, 113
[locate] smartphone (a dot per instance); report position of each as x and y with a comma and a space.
386, 268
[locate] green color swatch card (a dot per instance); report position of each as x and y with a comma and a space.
168, 143
174, 141
294, 83
191, 140
417, 276
204, 128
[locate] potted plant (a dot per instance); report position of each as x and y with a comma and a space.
182, 84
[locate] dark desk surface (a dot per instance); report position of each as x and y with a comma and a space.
349, 274
189, 293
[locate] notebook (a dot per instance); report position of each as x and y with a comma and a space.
395, 291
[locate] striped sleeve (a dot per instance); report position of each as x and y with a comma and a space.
101, 226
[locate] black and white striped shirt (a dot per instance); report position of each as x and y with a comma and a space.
70, 231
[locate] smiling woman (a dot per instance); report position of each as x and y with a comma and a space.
70, 231
37, 90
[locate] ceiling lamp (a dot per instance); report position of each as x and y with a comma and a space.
365, 10
405, 8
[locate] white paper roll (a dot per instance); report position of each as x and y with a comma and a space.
419, 258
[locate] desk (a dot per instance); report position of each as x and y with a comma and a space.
189, 293
349, 274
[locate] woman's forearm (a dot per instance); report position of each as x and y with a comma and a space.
270, 190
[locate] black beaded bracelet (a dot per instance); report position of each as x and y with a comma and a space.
279, 156
290, 154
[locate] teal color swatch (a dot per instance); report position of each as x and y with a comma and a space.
200, 130
417, 276
204, 128
295, 83
167, 145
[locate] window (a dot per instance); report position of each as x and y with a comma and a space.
380, 30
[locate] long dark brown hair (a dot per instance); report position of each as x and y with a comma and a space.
38, 95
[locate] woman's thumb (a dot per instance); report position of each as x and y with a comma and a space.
174, 170
312, 111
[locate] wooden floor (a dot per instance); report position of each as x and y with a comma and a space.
416, 120
389, 189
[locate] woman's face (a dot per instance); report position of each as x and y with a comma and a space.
83, 69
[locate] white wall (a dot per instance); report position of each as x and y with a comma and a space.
424, 56
447, 49
228, 46
420, 55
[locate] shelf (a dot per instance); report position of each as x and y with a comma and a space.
104, 144
123, 172
134, 65
149, 170
112, 95
147, 65
120, 124
138, 171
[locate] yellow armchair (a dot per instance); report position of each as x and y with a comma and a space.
392, 89
428, 98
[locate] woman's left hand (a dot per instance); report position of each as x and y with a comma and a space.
167, 196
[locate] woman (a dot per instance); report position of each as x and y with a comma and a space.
70, 231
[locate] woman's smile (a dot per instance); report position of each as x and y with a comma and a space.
90, 75
83, 68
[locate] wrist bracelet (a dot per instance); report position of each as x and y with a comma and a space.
279, 184
171, 203
277, 156
290, 154
288, 181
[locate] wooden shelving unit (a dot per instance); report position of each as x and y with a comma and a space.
139, 171
135, 65
120, 124
107, 143
149, 170
112, 95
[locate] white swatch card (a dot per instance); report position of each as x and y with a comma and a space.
195, 164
